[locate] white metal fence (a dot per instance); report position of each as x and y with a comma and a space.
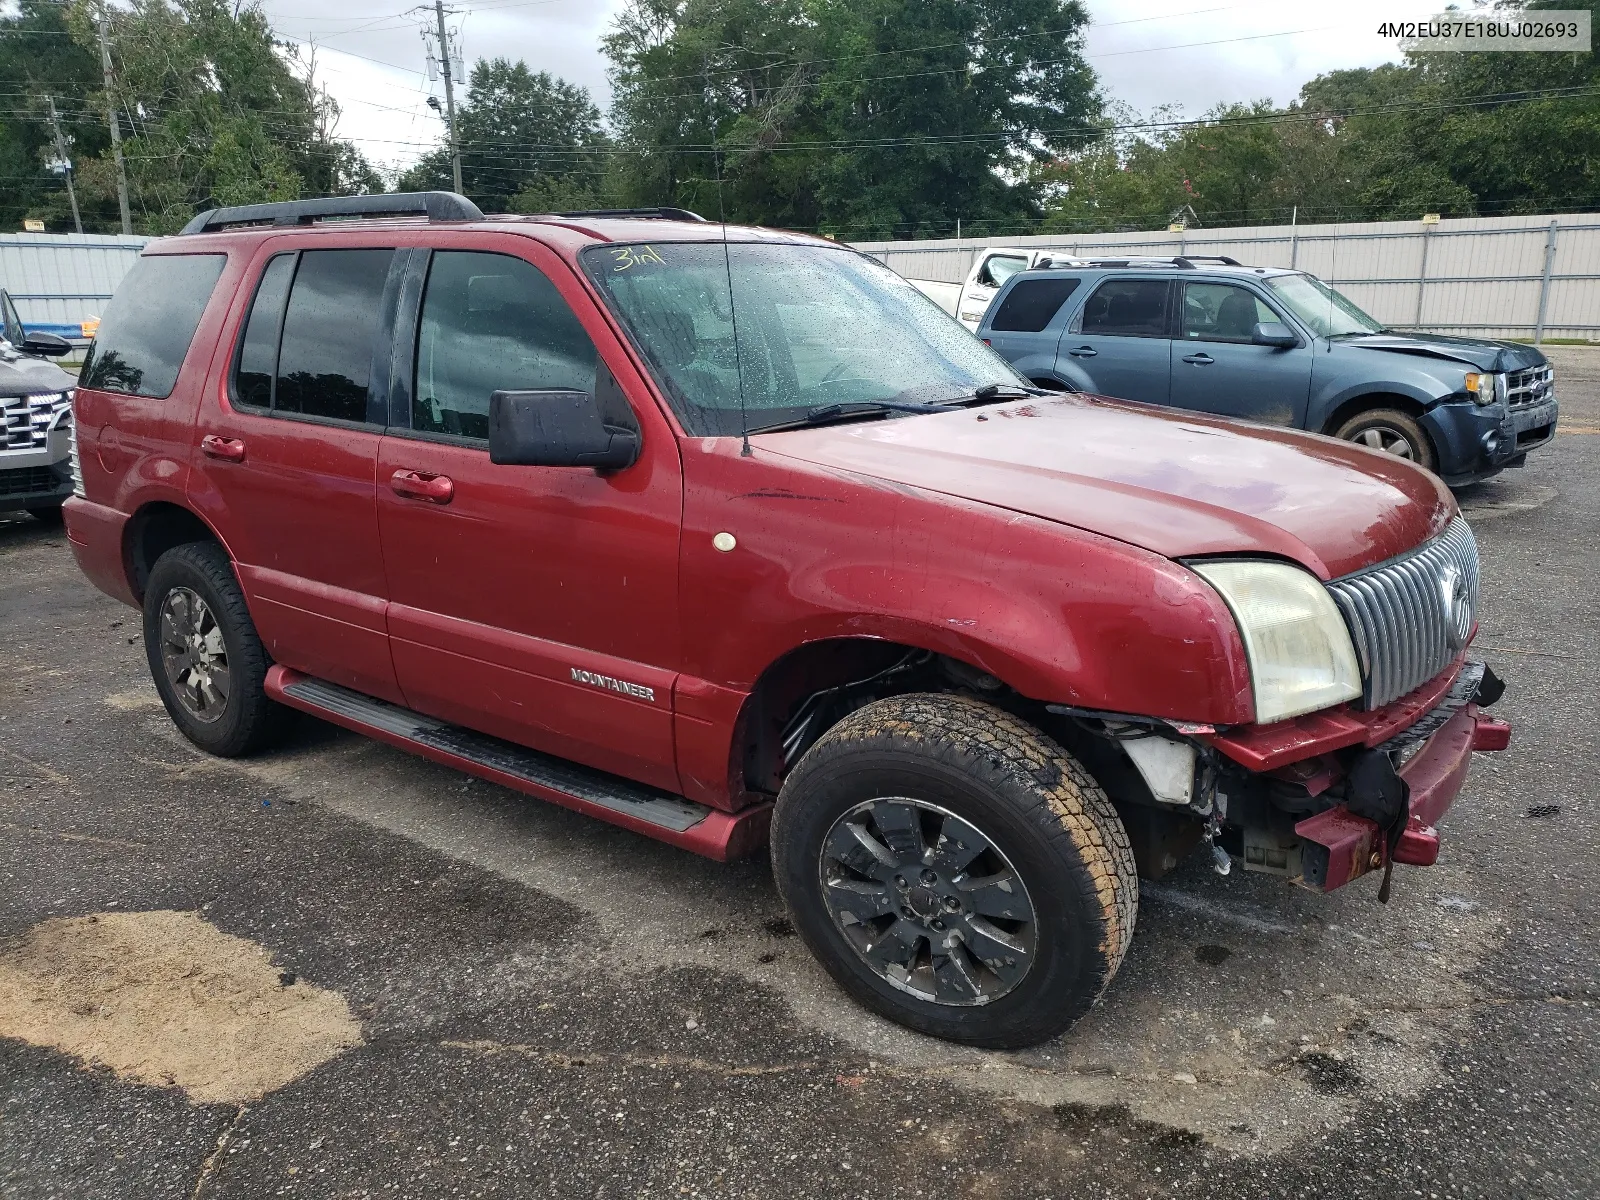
1520, 277
60, 279
1532, 277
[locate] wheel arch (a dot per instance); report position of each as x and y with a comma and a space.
154, 529
1051, 382
1351, 406
845, 672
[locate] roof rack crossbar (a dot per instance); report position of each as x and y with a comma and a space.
660, 214
436, 206
1184, 262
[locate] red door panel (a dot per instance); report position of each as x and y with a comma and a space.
528, 575
303, 528
535, 603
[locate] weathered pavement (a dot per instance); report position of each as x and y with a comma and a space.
485, 996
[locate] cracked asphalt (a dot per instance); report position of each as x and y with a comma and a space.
551, 1007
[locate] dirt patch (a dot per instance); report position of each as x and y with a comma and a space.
166, 999
135, 700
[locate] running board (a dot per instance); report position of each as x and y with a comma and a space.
655, 813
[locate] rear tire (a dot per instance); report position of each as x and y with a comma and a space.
1390, 431
868, 838
206, 659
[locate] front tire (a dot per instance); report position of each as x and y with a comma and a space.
206, 659
955, 870
1390, 431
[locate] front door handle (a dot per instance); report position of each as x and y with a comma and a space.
1083, 352
228, 449
1200, 360
420, 485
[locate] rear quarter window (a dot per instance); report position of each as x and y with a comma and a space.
145, 333
1031, 304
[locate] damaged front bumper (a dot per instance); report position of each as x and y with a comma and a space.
1365, 789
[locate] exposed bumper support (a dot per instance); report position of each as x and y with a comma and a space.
1341, 846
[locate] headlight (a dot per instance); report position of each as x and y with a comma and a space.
1485, 388
1300, 654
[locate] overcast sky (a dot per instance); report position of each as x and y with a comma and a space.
1147, 53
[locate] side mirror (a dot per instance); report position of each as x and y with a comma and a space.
556, 428
46, 344
1273, 333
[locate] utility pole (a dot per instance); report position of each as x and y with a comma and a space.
116, 129
449, 94
66, 163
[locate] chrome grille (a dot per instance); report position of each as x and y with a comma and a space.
1409, 617
1530, 386
26, 419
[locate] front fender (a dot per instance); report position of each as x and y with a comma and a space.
1057, 613
1336, 385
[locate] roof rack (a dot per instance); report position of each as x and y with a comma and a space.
1185, 262
436, 206
659, 214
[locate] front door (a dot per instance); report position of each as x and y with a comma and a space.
1217, 369
538, 604
1120, 345
287, 462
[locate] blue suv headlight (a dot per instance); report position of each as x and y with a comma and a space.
1486, 388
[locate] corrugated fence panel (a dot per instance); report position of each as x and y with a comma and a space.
1472, 275
59, 280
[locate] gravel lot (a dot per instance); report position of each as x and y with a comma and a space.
341, 971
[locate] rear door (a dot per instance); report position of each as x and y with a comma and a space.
538, 604
287, 459
1217, 369
1027, 325
1119, 343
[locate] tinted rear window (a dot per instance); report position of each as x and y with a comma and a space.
1031, 304
258, 354
149, 324
329, 330
1129, 308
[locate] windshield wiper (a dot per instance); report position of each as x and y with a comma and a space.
826, 414
993, 393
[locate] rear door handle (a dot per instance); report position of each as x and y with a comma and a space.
1200, 360
419, 485
1083, 352
228, 449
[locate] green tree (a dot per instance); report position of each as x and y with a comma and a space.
39, 58
1227, 170
860, 118
213, 109
1457, 134
527, 140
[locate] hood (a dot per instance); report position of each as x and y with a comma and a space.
1172, 482
1476, 352
25, 375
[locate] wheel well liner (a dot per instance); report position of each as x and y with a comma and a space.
828, 669
152, 531
1359, 404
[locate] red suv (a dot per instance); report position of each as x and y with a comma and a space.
723, 534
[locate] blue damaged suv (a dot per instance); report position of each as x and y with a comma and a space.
1275, 346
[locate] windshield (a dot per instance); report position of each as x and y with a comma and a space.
1325, 312
816, 326
1000, 268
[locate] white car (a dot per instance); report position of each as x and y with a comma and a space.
994, 265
